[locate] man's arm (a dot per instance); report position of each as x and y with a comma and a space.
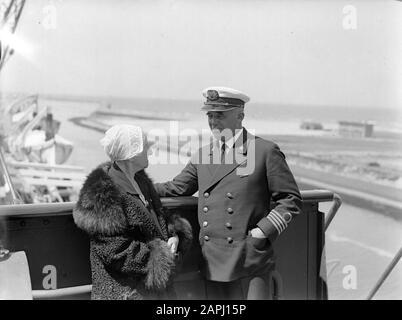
184, 184
285, 194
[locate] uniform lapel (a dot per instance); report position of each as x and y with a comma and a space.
219, 171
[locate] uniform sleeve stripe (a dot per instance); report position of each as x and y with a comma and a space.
276, 213
274, 223
280, 224
279, 221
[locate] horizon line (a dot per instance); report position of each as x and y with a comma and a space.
104, 98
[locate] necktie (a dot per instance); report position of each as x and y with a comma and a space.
223, 153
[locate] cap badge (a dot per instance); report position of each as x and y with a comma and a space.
212, 95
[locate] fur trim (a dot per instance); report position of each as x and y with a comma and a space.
99, 206
181, 227
103, 208
160, 265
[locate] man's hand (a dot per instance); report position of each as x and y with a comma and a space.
173, 243
257, 233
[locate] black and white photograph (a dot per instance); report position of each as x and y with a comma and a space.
216, 150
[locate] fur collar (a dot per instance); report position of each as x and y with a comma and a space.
101, 207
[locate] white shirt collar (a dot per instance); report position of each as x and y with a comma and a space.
230, 143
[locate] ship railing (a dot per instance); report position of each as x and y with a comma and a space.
47, 234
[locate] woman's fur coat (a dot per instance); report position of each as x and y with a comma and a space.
130, 258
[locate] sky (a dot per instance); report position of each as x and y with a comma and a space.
285, 52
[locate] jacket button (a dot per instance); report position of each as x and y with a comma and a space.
229, 195
287, 217
228, 225
205, 209
205, 223
230, 240
230, 210
206, 194
206, 238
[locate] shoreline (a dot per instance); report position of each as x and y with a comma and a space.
385, 200
349, 197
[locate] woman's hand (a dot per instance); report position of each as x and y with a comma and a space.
173, 244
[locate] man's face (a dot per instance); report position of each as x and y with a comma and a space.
220, 120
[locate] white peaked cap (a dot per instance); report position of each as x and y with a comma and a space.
223, 99
225, 92
123, 141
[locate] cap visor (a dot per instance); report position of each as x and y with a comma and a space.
217, 108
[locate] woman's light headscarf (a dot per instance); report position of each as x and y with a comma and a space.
123, 141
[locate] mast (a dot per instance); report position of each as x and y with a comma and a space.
10, 13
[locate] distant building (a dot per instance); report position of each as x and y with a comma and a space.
311, 125
352, 129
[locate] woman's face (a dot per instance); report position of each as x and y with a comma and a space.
141, 160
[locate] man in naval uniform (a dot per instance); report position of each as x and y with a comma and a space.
237, 176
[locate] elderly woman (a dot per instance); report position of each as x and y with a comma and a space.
133, 241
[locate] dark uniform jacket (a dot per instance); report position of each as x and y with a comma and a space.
235, 198
129, 255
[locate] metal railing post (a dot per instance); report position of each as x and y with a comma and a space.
333, 210
386, 273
